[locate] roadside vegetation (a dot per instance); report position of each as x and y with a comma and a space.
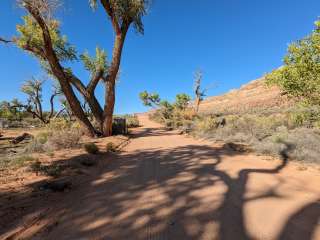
265, 131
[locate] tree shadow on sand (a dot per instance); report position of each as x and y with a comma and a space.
156, 194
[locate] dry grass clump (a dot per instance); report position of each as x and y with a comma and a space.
16, 161
305, 142
59, 134
132, 120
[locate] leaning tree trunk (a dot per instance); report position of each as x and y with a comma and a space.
57, 69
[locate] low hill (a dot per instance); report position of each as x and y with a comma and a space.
254, 96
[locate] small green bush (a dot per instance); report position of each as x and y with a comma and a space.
91, 148
48, 170
111, 147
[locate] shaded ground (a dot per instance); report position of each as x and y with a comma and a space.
167, 186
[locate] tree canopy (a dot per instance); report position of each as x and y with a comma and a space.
299, 77
124, 12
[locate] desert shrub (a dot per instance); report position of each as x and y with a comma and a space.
54, 140
63, 139
132, 121
305, 142
111, 147
59, 124
48, 170
36, 145
237, 128
91, 148
304, 116
205, 124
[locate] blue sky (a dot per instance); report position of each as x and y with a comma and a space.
232, 41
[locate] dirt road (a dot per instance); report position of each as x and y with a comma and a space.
167, 186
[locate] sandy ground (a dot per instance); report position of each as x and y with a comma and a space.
167, 186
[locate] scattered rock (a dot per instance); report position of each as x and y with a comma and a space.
237, 147
57, 186
87, 162
21, 138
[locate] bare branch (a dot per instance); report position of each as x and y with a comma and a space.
5, 40
46, 8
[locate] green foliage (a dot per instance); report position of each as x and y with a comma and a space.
304, 115
58, 124
182, 101
97, 63
128, 10
30, 36
111, 147
300, 75
150, 99
53, 170
12, 110
205, 124
91, 148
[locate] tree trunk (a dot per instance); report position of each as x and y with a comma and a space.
110, 84
196, 105
88, 95
108, 109
95, 109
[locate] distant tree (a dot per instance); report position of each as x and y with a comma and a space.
299, 77
164, 107
33, 89
182, 101
199, 93
7, 112
66, 110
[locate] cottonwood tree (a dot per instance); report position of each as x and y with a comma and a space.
123, 14
299, 77
40, 35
